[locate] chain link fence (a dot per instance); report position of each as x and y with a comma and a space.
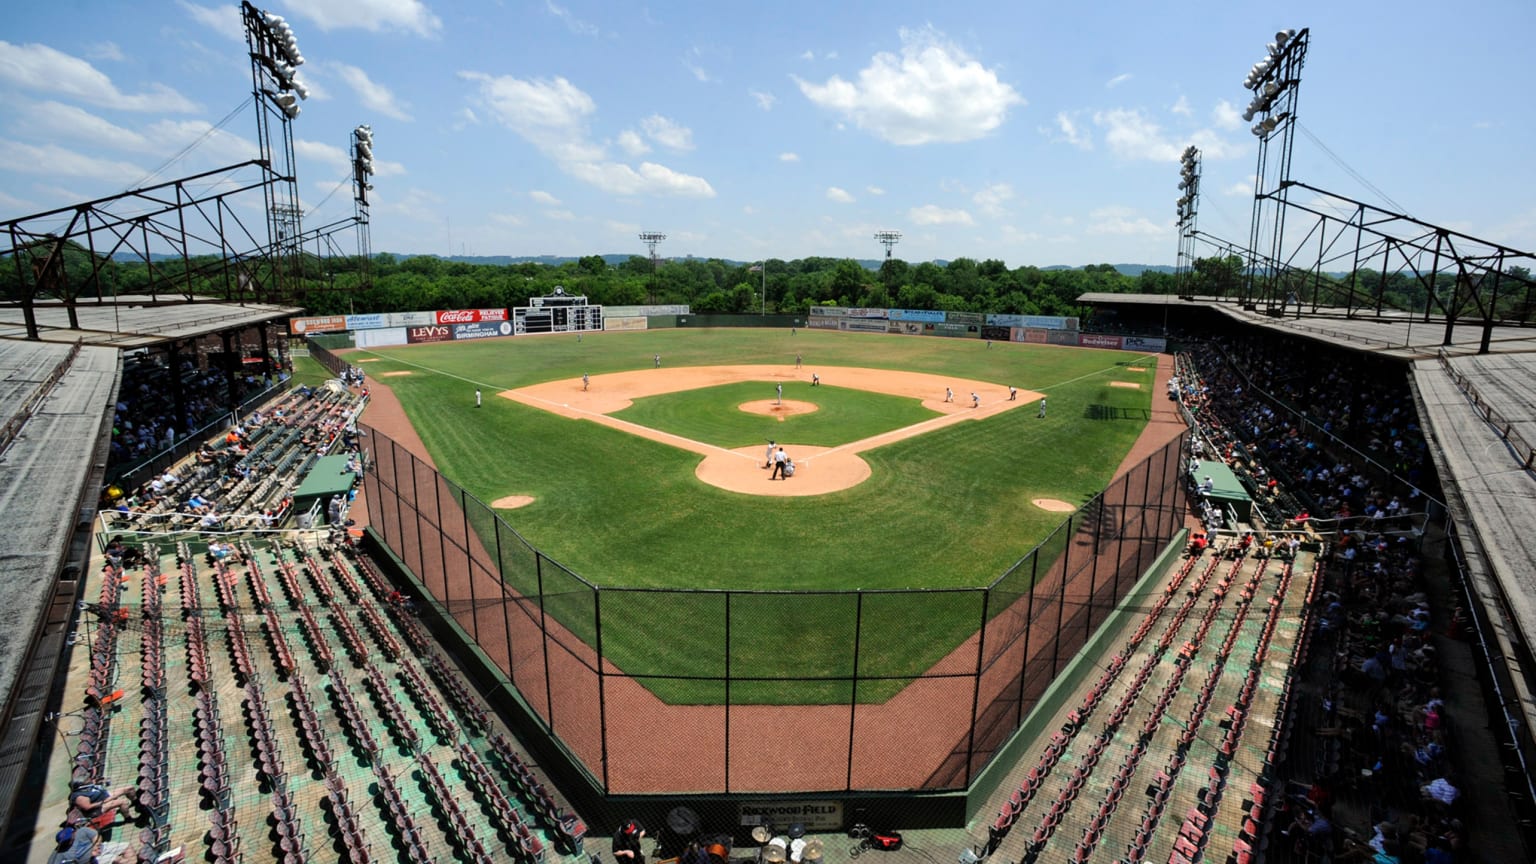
716, 691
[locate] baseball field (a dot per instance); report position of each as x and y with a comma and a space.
647, 477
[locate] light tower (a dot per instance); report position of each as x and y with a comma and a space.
1189, 201
888, 239
650, 239
277, 90
362, 171
1274, 81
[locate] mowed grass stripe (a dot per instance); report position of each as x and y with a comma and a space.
945, 510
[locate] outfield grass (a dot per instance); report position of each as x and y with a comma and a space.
710, 415
950, 509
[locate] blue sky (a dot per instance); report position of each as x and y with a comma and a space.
1034, 133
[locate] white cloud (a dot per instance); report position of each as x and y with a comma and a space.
933, 91
808, 54
1239, 189
374, 96
1118, 80
370, 15
12, 204
552, 116
622, 227
991, 198
106, 51
38, 67
542, 197
764, 99
1071, 131
560, 215
550, 113
691, 61
1121, 221
667, 133
874, 190
55, 161
650, 179
59, 121
841, 196
572, 23
513, 220
933, 214
632, 143
1132, 135
1225, 115
223, 19
789, 157
1181, 107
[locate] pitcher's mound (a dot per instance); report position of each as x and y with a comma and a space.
1053, 505
512, 502
772, 408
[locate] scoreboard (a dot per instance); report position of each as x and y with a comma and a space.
556, 319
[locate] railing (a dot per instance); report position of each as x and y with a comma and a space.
1506, 429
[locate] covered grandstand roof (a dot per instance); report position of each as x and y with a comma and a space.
1395, 334
1481, 411
41, 476
127, 324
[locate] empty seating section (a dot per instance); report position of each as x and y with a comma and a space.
1168, 712
227, 742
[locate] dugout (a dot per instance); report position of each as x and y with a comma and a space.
328, 477
1226, 489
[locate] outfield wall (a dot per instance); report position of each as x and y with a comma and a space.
860, 725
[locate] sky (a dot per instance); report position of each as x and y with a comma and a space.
1029, 132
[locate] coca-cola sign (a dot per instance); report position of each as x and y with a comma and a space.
470, 316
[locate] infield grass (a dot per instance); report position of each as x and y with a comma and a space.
709, 414
949, 510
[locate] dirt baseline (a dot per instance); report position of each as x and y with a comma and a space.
819, 470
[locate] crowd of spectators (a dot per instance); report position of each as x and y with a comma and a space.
1378, 735
145, 420
243, 477
1281, 422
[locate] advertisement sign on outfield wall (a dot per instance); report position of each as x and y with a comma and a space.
971, 318
862, 325
828, 312
627, 322
1061, 337
483, 330
818, 322
471, 316
412, 319
929, 316
323, 324
1098, 340
1144, 343
657, 309
859, 312
953, 330
907, 328
429, 333
367, 322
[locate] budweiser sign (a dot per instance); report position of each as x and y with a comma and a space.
470, 316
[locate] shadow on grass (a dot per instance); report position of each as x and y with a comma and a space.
1115, 412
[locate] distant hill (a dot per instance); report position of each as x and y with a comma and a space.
1124, 269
